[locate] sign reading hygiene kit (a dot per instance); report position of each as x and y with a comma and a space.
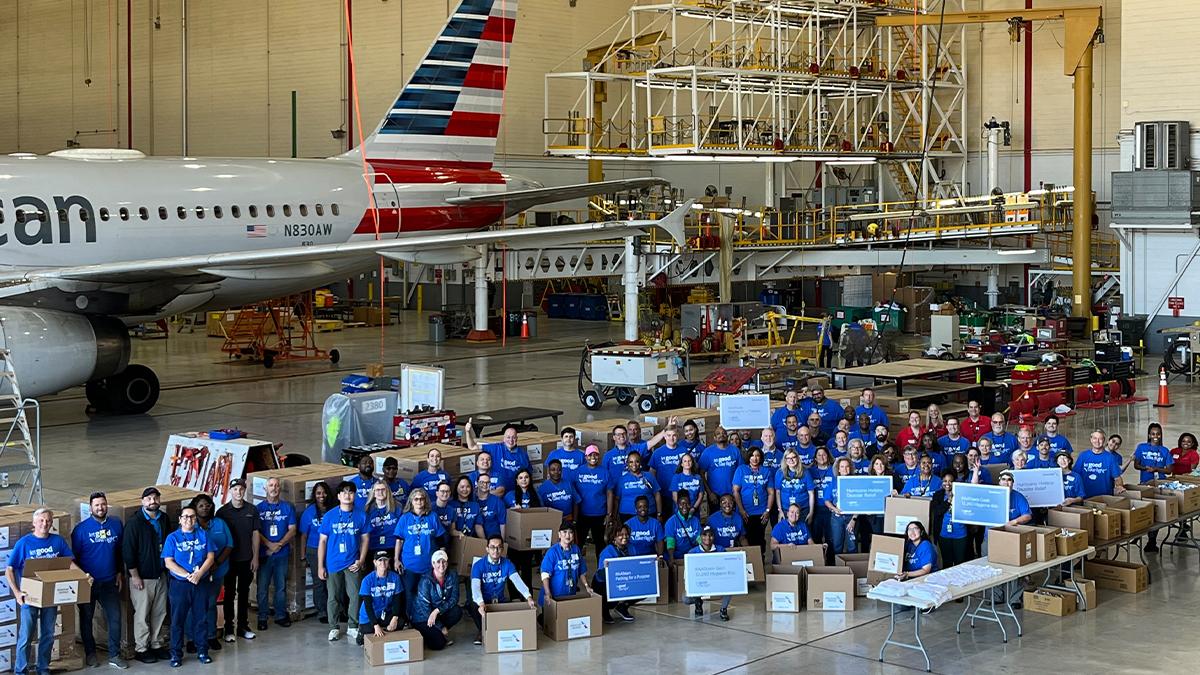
745, 411
631, 578
863, 494
1042, 487
707, 574
975, 504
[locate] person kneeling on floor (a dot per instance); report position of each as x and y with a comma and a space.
708, 538
380, 599
436, 610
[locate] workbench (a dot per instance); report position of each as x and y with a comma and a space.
903, 371
516, 415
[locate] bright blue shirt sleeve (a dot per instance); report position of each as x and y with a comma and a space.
917, 557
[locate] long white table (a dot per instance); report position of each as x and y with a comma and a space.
987, 609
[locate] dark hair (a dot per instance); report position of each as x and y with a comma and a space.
202, 497
97, 495
1186, 434
924, 536
549, 464
619, 426
1050, 417
458, 482
1151, 427
683, 494
619, 530
950, 473
691, 423
346, 485
519, 493
327, 502
642, 498
390, 461
568, 429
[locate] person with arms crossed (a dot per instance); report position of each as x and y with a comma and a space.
141, 549
97, 545
189, 558
342, 555
310, 528
37, 545
220, 539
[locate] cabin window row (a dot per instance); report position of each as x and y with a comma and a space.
181, 212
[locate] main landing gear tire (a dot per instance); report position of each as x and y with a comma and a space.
133, 391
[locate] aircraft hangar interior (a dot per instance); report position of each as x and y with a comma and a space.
519, 336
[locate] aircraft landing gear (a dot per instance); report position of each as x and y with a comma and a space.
133, 391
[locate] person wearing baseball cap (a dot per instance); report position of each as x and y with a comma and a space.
436, 609
145, 534
708, 544
380, 600
245, 524
591, 484
1072, 486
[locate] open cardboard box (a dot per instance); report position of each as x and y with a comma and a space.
801, 555
785, 588
1134, 517
1073, 541
858, 563
829, 589
754, 562
1046, 543
1166, 506
52, 582
464, 551
572, 617
1054, 603
1191, 498
532, 529
1074, 517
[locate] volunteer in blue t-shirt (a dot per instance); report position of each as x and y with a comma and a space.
568, 453
397, 485
342, 553
953, 443
1002, 442
1155, 463
382, 513
557, 492
687, 477
876, 414
682, 531
189, 558
501, 480
220, 539
718, 462
919, 557
564, 571
923, 484
434, 473
1072, 485
791, 531
1099, 469
466, 509
97, 545
363, 481
489, 578
320, 503
592, 485
754, 492
821, 475
1044, 457
41, 543
829, 411
843, 527
951, 537
493, 514
708, 544
728, 525
1019, 512
1057, 440
381, 599
665, 461
631, 485
507, 453
277, 528
416, 531
794, 486
617, 548
792, 405
645, 532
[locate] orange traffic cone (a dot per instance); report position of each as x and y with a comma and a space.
1164, 395
524, 326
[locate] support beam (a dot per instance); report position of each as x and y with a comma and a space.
1081, 235
630, 282
725, 260
480, 332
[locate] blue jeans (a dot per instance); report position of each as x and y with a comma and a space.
838, 537
106, 593
820, 525
273, 570
189, 603
40, 619
210, 609
411, 580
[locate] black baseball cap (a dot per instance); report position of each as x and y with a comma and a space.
236, 482
151, 491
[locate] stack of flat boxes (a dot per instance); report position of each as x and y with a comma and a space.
16, 521
123, 505
296, 485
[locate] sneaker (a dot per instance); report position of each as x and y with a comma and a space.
262, 625
230, 637
607, 617
699, 609
191, 647
334, 634
162, 653
118, 663
91, 660
204, 658
724, 615
145, 657
358, 639
214, 645
175, 663
248, 634
478, 638
284, 622
352, 632
624, 613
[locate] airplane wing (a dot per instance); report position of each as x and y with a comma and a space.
312, 260
517, 201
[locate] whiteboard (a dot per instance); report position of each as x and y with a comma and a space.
421, 386
745, 411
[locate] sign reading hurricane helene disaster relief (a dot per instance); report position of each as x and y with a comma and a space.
975, 504
745, 411
863, 494
1042, 487
631, 578
708, 574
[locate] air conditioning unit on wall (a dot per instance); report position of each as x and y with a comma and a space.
1161, 146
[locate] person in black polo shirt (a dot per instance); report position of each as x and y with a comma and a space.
243, 520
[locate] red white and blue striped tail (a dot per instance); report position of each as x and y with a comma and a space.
449, 112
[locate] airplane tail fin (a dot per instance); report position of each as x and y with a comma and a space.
449, 111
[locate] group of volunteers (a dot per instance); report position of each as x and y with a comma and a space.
376, 545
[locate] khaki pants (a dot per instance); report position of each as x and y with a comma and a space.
343, 595
149, 613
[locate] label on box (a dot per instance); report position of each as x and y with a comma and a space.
308, 599
862, 587
900, 525
5, 591
1029, 551
258, 486
833, 600
534, 451
4, 557
375, 405
5, 661
888, 563
802, 563
395, 652
580, 626
539, 539
308, 577
750, 571
8, 610
506, 640
8, 635
466, 463
66, 593
538, 471
4, 537
783, 601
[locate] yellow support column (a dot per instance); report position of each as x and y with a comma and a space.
1081, 236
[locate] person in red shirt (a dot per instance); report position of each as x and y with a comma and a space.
911, 434
974, 424
1185, 456
934, 421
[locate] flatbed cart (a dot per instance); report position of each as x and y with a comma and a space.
628, 372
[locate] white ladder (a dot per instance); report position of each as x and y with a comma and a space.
20, 450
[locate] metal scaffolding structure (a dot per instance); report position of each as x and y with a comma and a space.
772, 81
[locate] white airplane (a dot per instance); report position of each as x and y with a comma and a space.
92, 241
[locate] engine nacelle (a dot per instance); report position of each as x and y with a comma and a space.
53, 350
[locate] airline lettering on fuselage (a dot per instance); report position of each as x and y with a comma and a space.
308, 230
37, 228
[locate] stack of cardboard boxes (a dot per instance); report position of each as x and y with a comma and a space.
296, 486
456, 460
801, 579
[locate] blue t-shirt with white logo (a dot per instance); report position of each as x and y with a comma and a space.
1153, 457
30, 547
418, 533
564, 567
492, 514
786, 533
752, 486
342, 530
310, 526
97, 546
591, 484
381, 590
1003, 444
629, 487
493, 577
728, 528
718, 466
381, 527
1098, 471
430, 481
642, 536
187, 549
571, 460
560, 495
274, 521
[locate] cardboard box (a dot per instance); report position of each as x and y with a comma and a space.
464, 551
573, 617
801, 555
829, 589
1117, 575
1054, 603
706, 419
1069, 540
509, 627
1088, 587
51, 582
1191, 498
754, 563
538, 445
1106, 523
858, 563
1134, 517
1013, 545
598, 432
887, 558
456, 460
1166, 507
533, 528
1070, 516
900, 511
402, 646
665, 577
785, 588
1045, 540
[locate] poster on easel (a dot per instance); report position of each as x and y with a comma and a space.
207, 465
421, 386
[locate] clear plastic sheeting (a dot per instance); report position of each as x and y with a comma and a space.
356, 419
337, 428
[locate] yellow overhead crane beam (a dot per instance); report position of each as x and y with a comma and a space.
1085, 24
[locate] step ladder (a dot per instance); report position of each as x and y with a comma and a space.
616, 307
20, 449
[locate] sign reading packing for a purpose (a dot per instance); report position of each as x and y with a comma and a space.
631, 578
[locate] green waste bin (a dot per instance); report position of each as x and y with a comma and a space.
888, 318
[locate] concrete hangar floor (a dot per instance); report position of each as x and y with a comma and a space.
202, 390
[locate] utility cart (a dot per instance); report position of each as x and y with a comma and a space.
628, 373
